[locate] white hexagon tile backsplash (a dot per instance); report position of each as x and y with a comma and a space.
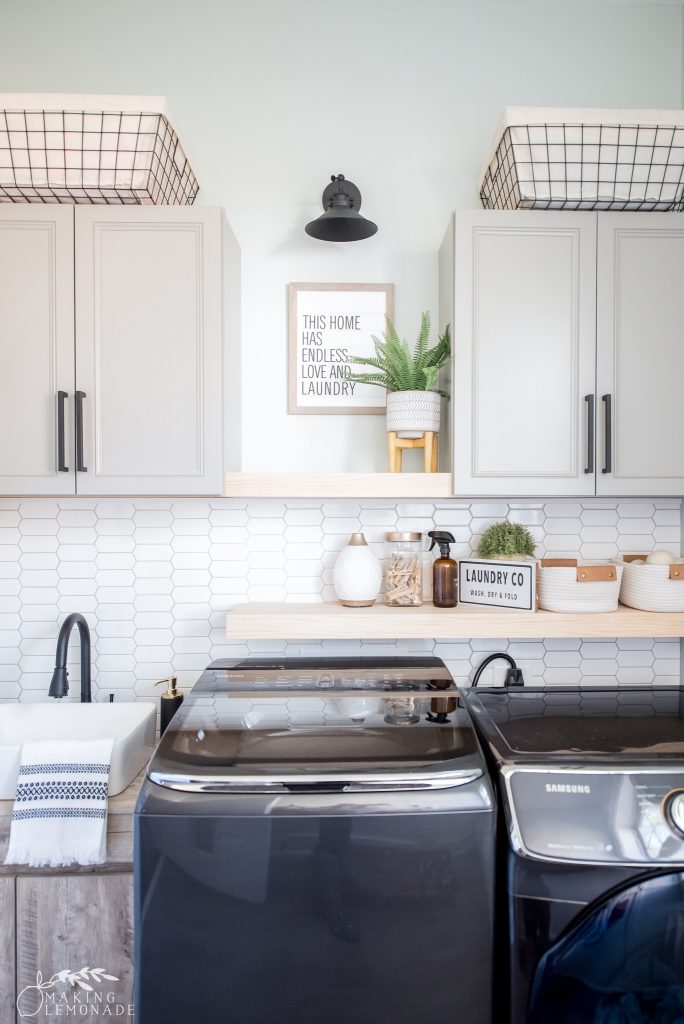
155, 578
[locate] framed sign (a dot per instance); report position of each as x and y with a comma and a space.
498, 584
327, 324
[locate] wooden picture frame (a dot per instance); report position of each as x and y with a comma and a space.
357, 311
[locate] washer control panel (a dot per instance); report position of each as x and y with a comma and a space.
597, 816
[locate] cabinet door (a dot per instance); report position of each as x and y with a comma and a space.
524, 352
148, 349
640, 353
72, 922
36, 348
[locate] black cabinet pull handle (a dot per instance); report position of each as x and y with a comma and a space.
608, 433
61, 455
79, 395
590, 400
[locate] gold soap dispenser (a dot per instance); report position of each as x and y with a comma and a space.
170, 701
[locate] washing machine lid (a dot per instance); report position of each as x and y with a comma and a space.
340, 724
573, 726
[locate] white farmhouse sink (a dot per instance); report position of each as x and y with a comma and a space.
132, 725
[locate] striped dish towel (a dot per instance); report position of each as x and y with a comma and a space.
60, 807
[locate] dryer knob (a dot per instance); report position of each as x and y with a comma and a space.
674, 811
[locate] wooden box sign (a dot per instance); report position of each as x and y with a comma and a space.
327, 324
498, 584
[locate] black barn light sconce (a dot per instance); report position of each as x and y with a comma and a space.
341, 221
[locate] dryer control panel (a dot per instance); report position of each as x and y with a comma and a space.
619, 816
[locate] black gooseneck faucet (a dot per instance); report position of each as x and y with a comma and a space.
59, 684
514, 676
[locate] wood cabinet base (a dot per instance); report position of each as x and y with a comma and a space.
71, 922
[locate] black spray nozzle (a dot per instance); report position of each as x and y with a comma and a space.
444, 539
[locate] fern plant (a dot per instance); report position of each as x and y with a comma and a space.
397, 367
506, 540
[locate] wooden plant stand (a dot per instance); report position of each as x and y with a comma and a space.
396, 445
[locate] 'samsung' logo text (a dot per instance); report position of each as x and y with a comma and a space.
566, 787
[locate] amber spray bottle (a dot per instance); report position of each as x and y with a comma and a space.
444, 571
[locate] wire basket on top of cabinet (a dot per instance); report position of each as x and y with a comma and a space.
108, 150
557, 159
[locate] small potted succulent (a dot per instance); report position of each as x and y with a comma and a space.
410, 376
506, 541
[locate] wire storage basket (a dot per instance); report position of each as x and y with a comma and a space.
91, 149
555, 159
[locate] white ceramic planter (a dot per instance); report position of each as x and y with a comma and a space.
412, 413
357, 576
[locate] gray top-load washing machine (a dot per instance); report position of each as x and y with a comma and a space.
592, 867
315, 845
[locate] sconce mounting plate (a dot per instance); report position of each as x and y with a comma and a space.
348, 188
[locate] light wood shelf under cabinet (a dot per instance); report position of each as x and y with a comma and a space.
331, 621
338, 485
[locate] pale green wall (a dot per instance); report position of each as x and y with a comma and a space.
271, 96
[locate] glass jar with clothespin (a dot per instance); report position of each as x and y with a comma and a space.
404, 570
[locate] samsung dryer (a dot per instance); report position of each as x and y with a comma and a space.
314, 842
592, 870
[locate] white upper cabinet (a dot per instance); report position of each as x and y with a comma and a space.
640, 354
524, 350
148, 350
568, 352
111, 340
36, 349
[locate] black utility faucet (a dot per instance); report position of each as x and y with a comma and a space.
59, 685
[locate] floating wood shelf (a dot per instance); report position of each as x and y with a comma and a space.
338, 485
329, 621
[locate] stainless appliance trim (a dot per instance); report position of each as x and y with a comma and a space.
508, 771
324, 692
281, 784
